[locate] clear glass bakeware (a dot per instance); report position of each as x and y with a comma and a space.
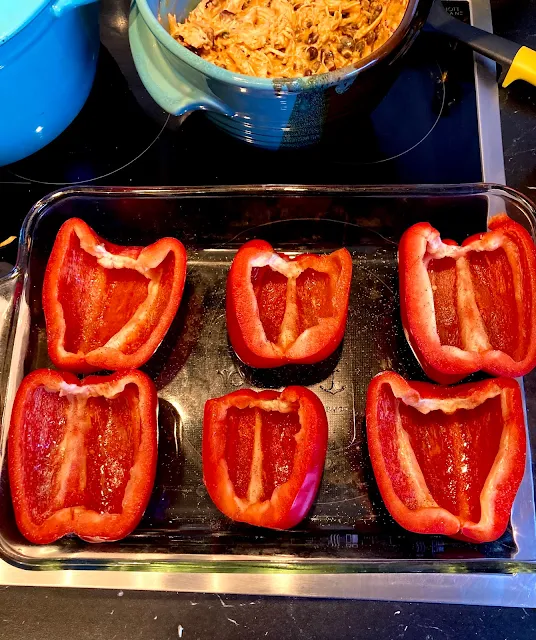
348, 528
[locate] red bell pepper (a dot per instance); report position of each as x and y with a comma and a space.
471, 307
282, 310
107, 306
447, 460
82, 454
263, 454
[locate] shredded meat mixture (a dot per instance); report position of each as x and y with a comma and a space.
287, 38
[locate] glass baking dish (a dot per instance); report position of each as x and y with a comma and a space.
348, 528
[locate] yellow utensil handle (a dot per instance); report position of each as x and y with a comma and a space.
523, 67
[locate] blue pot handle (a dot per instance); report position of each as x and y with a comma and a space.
168, 88
66, 5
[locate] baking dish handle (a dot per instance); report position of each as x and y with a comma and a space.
171, 90
14, 337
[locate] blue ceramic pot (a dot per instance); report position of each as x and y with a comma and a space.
268, 113
48, 58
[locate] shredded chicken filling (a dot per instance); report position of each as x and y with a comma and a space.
287, 38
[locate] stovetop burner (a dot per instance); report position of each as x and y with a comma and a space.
439, 123
425, 130
110, 133
383, 137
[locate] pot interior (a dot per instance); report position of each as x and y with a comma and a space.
181, 8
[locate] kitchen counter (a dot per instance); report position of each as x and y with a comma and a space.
115, 615
99, 615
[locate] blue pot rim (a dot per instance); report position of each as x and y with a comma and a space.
321, 81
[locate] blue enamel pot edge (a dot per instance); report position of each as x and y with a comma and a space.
265, 112
55, 46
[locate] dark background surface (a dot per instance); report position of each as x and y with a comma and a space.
67, 613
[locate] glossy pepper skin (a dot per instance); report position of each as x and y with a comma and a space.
471, 307
447, 460
82, 454
263, 454
282, 310
107, 306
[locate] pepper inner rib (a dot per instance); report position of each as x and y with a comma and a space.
289, 305
260, 449
255, 486
113, 293
81, 452
438, 454
478, 298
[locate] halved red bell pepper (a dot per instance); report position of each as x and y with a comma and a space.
108, 306
263, 454
471, 307
82, 454
447, 460
284, 310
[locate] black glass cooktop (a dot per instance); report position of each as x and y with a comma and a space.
424, 131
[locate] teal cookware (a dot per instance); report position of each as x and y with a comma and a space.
265, 112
